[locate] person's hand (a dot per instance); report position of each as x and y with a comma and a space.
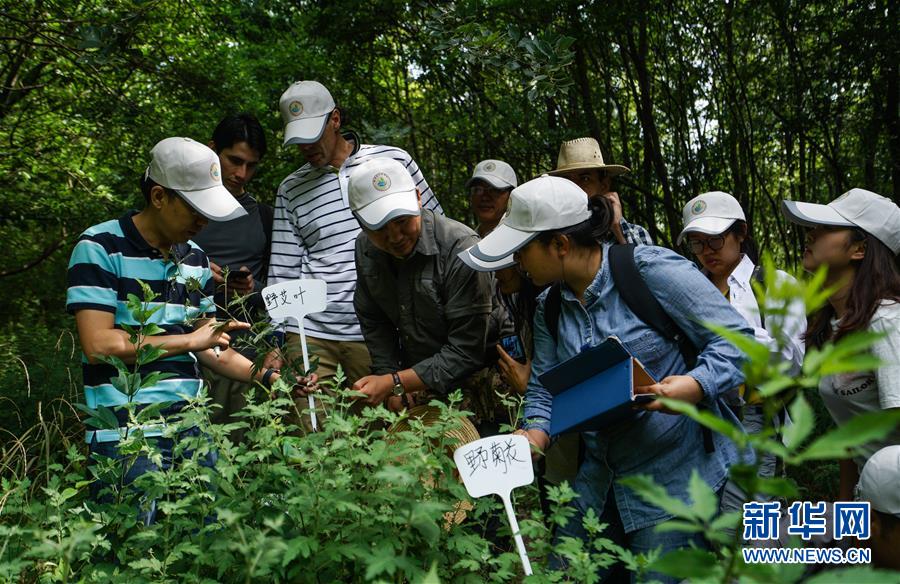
680, 387
273, 360
218, 276
376, 388
538, 439
616, 203
241, 283
514, 373
616, 226
395, 402
215, 334
304, 385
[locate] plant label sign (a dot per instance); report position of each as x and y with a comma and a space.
495, 466
296, 299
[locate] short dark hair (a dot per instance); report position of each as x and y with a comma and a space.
241, 127
147, 185
748, 244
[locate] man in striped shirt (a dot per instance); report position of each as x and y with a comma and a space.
183, 191
314, 231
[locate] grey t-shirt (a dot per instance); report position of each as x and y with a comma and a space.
236, 243
850, 394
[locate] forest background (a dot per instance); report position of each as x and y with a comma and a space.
766, 100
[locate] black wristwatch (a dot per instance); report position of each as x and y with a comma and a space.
398, 385
267, 377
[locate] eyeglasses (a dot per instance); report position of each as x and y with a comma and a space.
479, 190
715, 243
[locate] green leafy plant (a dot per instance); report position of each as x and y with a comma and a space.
796, 444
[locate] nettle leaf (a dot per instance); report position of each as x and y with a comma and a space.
112, 360
705, 501
705, 418
152, 329
846, 438
777, 487
122, 382
93, 420
647, 489
107, 418
151, 411
155, 378
149, 353
775, 385
757, 352
693, 564
804, 422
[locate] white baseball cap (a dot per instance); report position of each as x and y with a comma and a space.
381, 189
879, 481
191, 169
710, 213
874, 214
305, 107
544, 204
496, 173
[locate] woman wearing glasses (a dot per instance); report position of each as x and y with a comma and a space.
716, 232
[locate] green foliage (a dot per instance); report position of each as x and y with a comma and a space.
358, 501
796, 445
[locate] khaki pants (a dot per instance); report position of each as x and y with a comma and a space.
231, 395
352, 356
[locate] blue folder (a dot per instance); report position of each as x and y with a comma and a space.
595, 388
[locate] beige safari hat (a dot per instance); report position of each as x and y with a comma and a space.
582, 153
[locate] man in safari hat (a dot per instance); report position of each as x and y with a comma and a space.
581, 162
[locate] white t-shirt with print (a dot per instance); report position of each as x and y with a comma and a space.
849, 394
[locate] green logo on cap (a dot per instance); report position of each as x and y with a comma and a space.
490, 166
381, 182
296, 108
698, 207
214, 171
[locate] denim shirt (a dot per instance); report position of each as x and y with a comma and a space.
666, 447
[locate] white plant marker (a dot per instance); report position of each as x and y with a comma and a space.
495, 466
296, 299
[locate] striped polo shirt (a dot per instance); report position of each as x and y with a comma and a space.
315, 232
106, 265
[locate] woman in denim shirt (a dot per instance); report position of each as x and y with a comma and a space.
555, 237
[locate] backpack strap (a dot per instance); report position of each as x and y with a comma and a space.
643, 303
552, 305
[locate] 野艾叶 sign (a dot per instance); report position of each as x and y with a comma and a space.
296, 299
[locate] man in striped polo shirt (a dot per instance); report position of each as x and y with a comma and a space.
183, 190
314, 231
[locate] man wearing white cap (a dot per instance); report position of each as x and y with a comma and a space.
425, 315
857, 238
314, 230
183, 191
489, 188
581, 161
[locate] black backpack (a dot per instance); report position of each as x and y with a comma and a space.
643, 304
